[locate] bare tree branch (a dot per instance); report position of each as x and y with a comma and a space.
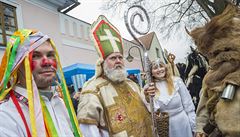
167, 5
167, 15
185, 12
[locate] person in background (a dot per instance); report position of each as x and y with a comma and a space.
30, 105
173, 98
181, 68
74, 96
143, 77
133, 78
75, 99
110, 104
196, 69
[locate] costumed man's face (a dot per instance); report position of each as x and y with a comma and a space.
158, 71
114, 67
44, 65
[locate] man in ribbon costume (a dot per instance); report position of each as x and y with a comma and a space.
111, 104
30, 104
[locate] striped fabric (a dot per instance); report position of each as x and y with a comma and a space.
78, 81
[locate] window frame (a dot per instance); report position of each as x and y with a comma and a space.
4, 34
157, 52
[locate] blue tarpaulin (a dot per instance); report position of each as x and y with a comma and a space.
88, 70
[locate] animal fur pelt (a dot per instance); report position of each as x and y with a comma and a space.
219, 41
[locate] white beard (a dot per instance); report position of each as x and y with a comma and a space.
117, 74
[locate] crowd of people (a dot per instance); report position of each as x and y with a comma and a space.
34, 101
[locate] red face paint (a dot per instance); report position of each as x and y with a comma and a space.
44, 61
54, 63
32, 63
50, 62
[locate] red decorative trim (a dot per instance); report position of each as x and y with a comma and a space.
30, 60
96, 38
19, 109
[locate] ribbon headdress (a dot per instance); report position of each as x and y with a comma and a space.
20, 44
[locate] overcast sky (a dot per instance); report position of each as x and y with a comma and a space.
89, 10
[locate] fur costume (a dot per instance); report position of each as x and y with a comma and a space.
219, 41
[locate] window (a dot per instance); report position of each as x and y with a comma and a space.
8, 22
157, 53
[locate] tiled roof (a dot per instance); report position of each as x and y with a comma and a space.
146, 40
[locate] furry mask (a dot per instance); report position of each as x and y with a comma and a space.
219, 41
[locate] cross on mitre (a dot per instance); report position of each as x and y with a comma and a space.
111, 38
106, 36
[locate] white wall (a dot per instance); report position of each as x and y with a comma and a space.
152, 51
71, 35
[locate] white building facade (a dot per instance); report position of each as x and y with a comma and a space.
71, 36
